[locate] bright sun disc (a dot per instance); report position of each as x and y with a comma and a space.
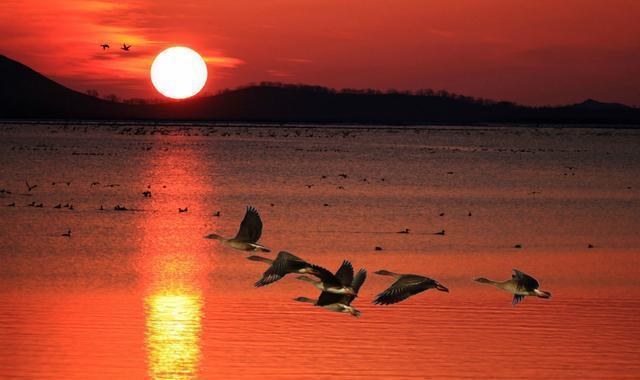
178, 72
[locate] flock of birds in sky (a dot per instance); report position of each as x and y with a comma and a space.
340, 289
124, 47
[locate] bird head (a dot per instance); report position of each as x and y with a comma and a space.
214, 237
352, 310
441, 287
542, 293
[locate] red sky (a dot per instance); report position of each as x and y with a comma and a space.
532, 52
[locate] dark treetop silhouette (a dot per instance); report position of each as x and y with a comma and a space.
26, 94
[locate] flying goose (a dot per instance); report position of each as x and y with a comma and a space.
29, 187
284, 264
520, 284
104, 46
340, 303
125, 47
406, 285
339, 283
248, 234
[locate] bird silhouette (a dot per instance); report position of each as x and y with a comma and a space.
283, 264
520, 285
29, 187
341, 303
125, 47
248, 235
338, 283
105, 46
406, 285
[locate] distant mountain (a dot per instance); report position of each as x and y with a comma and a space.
591, 104
26, 94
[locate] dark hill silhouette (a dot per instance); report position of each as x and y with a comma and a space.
26, 94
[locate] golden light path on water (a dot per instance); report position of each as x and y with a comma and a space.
173, 334
174, 263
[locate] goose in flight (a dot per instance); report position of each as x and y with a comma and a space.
340, 303
29, 187
284, 264
406, 285
248, 235
339, 283
125, 47
520, 285
105, 46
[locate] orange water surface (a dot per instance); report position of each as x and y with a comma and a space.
140, 294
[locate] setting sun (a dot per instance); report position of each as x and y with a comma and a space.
178, 72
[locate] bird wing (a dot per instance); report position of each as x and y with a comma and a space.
516, 299
524, 280
325, 276
327, 298
251, 226
361, 276
355, 284
345, 273
402, 289
278, 269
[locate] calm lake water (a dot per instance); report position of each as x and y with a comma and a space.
141, 294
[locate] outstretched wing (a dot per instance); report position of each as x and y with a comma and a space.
345, 273
251, 227
524, 280
277, 270
402, 289
324, 275
361, 276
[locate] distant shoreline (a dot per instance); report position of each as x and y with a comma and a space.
304, 125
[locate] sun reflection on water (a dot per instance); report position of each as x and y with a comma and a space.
174, 263
173, 334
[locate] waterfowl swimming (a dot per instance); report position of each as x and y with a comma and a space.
340, 303
405, 231
284, 264
441, 233
339, 283
67, 234
406, 285
520, 285
248, 235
